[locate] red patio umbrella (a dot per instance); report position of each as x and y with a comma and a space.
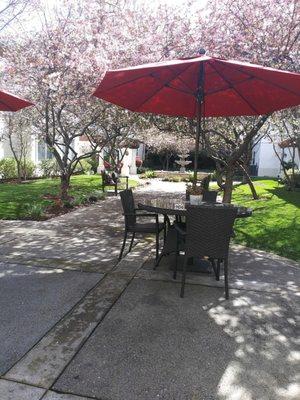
9, 102
199, 87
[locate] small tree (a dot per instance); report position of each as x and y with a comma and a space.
118, 130
18, 134
228, 142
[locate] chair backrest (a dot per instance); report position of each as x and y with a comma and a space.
128, 207
210, 196
209, 229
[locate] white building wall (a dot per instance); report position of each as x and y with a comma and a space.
267, 161
269, 164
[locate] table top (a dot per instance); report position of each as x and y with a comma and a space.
177, 206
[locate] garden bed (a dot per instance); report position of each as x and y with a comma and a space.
39, 199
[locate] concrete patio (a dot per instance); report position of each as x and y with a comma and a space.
76, 324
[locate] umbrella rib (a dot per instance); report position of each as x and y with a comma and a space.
163, 84
262, 79
173, 87
236, 90
178, 77
221, 90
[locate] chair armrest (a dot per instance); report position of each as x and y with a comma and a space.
179, 230
148, 215
142, 215
139, 210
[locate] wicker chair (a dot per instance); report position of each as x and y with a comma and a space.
208, 232
131, 215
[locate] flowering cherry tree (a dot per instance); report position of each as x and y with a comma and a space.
59, 65
266, 33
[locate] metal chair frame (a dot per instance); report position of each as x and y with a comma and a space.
131, 213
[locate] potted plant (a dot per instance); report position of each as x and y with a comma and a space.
194, 193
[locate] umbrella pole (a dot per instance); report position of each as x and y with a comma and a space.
197, 142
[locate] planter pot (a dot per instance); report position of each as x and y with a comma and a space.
195, 200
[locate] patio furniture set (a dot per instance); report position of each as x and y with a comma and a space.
201, 232
196, 88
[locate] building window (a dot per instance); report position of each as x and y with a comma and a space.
43, 151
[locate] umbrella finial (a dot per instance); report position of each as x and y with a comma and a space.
201, 51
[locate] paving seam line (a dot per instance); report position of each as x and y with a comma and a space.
46, 333
65, 317
48, 390
21, 383
73, 394
103, 317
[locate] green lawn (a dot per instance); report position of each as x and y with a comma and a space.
275, 223
16, 199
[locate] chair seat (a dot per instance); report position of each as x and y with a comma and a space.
149, 227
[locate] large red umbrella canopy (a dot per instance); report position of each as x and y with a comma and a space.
9, 102
201, 87
229, 88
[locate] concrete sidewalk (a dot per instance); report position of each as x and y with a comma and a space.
76, 324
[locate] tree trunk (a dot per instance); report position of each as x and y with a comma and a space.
167, 162
219, 175
246, 171
228, 185
19, 171
249, 181
64, 186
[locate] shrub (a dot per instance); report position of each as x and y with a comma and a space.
149, 174
8, 168
28, 169
214, 176
84, 166
96, 195
79, 200
34, 211
94, 162
49, 168
296, 177
173, 179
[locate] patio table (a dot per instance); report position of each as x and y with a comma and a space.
177, 207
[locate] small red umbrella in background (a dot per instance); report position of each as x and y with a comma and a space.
200, 87
9, 102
